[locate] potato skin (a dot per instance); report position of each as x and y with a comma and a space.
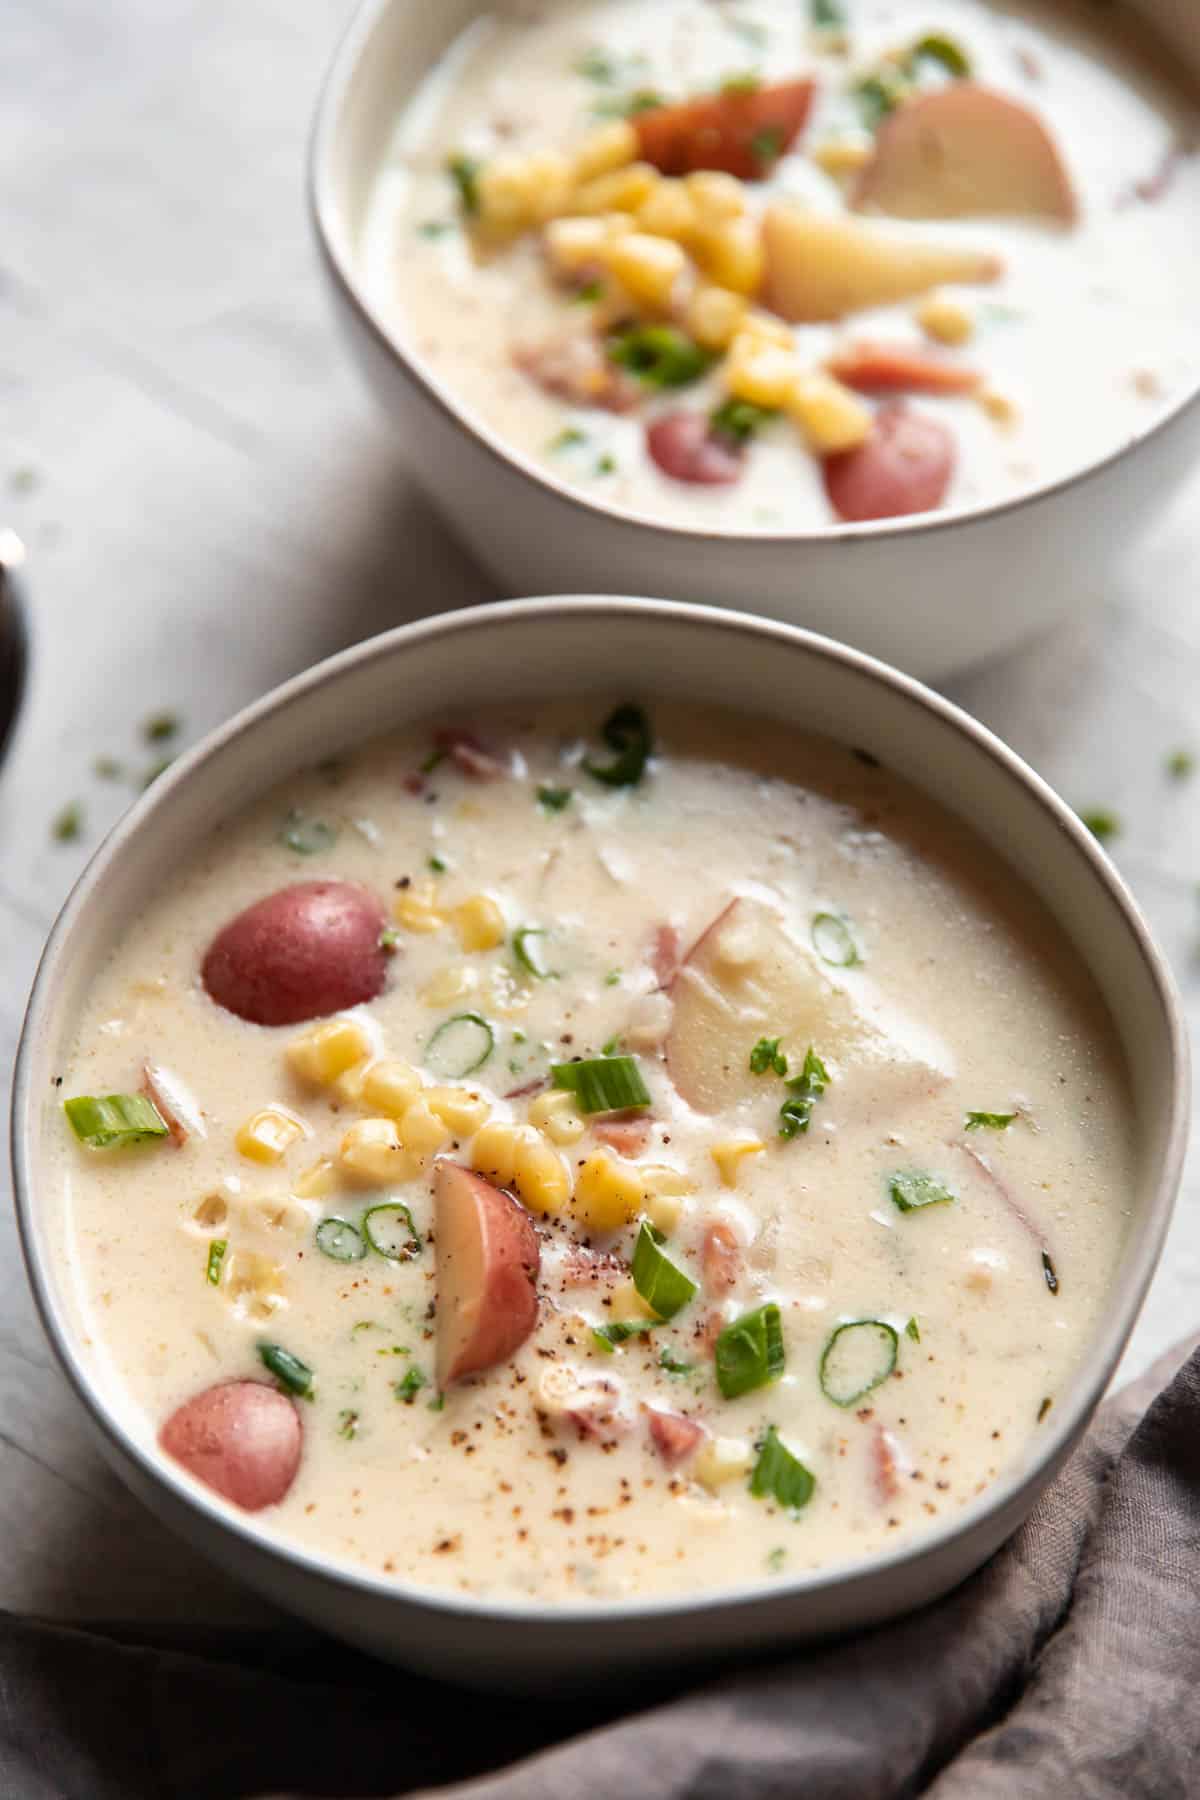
904, 467
243, 1439
488, 1258
298, 954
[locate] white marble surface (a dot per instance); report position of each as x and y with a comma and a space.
210, 505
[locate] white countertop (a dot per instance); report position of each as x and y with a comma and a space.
210, 505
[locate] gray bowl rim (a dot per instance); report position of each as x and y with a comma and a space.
325, 214
1142, 1251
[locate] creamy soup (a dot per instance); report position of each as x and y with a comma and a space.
719, 266
583, 1167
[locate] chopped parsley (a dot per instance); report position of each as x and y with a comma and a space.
437, 865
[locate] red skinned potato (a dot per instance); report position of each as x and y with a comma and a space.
685, 448
488, 1259
903, 467
964, 152
744, 134
241, 1438
298, 954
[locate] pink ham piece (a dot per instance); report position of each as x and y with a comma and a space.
721, 1259
673, 1436
627, 1136
890, 1462
241, 1438
879, 368
664, 955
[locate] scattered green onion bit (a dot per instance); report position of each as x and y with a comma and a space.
606, 464
749, 1352
389, 939
596, 65
767, 1058
460, 1045
216, 1256
438, 865
740, 420
627, 106
528, 954
988, 1121
911, 1189
609, 1336
554, 800
944, 52
1102, 824
159, 727
1048, 1270
857, 1357
879, 94
661, 1283
435, 228
766, 146
340, 1241
347, 1423
776, 1559
464, 172
1181, 764
661, 356
673, 1364
437, 1404
613, 978
567, 439
833, 940
307, 837
780, 1476
390, 1231
68, 824
913, 1330
795, 1115
110, 1121
430, 762
408, 1389
627, 733
602, 1083
295, 1375
828, 15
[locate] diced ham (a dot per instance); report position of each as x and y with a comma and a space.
470, 756
526, 1087
413, 784
684, 447
708, 1331
721, 1258
573, 367
627, 1136
673, 1436
878, 368
664, 954
742, 133
890, 1462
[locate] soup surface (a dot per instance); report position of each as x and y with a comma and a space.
718, 1176
719, 266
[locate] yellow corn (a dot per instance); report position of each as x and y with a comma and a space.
999, 408
414, 908
668, 211
267, 1136
714, 316
450, 984
627, 1305
665, 1188
664, 1212
494, 1152
721, 1460
462, 1109
371, 1152
348, 1086
479, 923
715, 195
573, 245
622, 190
731, 254
945, 320
769, 328
731, 1153
390, 1087
844, 155
760, 372
648, 268
540, 1176
319, 1056
554, 1113
317, 1181
608, 1193
422, 1132
831, 416
606, 148
516, 191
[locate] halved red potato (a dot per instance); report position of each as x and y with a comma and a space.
299, 953
877, 368
821, 266
241, 1438
685, 447
904, 467
488, 1259
963, 151
674, 1436
743, 134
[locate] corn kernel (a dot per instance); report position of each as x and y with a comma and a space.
319, 1056
760, 372
664, 1212
494, 1152
479, 922
517, 191
608, 1193
606, 148
661, 1178
553, 179
390, 1087
714, 316
450, 984
731, 1153
831, 416
462, 1109
371, 1152
720, 1460
769, 328
573, 245
422, 1132
999, 408
347, 1089
316, 1181
845, 154
627, 1305
945, 320
648, 268
622, 190
668, 211
715, 195
731, 254
267, 1136
413, 908
554, 1113
539, 1174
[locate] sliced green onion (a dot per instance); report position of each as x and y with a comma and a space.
986, 1121
340, 1241
602, 1083
626, 732
661, 1283
67, 824
856, 1359
740, 420
108, 1121
609, 1336
913, 1330
795, 1115
911, 1189
880, 94
464, 172
661, 356
554, 800
945, 52
833, 940
749, 1353
216, 1256
828, 15
408, 1389
307, 837
767, 1058
674, 1364
1048, 1270
528, 955
597, 65
780, 1476
295, 1375
390, 1231
460, 1045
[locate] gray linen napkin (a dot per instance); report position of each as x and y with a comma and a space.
1068, 1667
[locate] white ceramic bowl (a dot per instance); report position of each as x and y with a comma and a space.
931, 594
652, 650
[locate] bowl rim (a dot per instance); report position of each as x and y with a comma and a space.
1090, 1379
327, 219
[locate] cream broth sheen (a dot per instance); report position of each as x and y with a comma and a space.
963, 999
